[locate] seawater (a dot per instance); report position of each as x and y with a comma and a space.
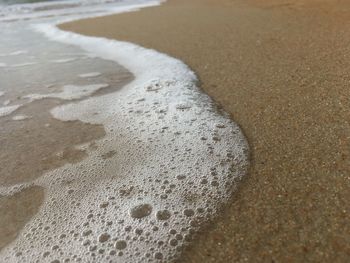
13, 2
166, 164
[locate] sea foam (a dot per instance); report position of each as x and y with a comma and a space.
70, 92
7, 110
90, 75
169, 161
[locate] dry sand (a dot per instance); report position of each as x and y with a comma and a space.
282, 69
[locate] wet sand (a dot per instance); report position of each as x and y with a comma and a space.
281, 68
17, 210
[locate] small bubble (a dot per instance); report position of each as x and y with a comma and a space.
103, 237
216, 139
138, 231
92, 248
183, 106
215, 183
104, 205
141, 211
163, 196
55, 247
204, 181
158, 255
86, 242
163, 215
178, 237
173, 242
181, 176
188, 212
220, 125
120, 244
86, 232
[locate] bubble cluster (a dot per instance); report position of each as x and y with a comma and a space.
169, 161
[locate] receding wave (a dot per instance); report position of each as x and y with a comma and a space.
169, 161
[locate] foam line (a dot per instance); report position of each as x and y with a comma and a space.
90, 75
7, 110
70, 92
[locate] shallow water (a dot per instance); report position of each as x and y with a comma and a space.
111, 150
35, 65
32, 141
13, 2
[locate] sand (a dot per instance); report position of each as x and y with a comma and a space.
281, 68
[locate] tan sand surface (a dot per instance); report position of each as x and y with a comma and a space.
282, 69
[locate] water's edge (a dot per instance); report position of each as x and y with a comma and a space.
180, 160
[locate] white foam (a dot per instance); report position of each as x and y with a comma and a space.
4, 111
63, 60
2, 65
90, 75
6, 102
70, 92
20, 117
169, 161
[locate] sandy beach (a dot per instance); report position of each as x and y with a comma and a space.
281, 69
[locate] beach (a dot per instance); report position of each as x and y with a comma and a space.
111, 151
281, 69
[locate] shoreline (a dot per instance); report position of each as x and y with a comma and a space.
272, 72
163, 91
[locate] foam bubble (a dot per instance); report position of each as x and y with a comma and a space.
120, 244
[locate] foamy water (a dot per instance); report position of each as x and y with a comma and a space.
169, 161
8, 110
